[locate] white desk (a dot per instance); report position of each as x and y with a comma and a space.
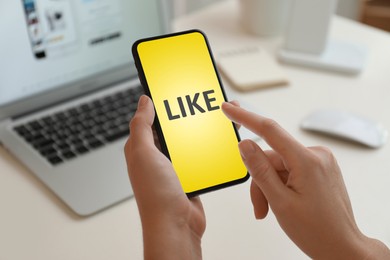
34, 224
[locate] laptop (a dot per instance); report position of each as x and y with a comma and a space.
68, 89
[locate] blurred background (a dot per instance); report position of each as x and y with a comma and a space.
372, 12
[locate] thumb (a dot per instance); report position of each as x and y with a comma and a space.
141, 133
262, 172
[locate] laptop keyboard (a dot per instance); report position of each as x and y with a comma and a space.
76, 131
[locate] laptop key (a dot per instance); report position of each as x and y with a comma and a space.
75, 141
63, 146
35, 125
55, 160
94, 143
48, 151
81, 149
42, 143
22, 130
68, 154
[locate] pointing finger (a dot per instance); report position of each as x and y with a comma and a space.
281, 141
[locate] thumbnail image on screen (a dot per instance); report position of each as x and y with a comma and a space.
34, 28
50, 26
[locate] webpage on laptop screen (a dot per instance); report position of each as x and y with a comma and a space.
52, 43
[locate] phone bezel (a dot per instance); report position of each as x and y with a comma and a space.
156, 123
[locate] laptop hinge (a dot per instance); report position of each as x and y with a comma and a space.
27, 113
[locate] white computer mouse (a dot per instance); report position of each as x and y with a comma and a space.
348, 126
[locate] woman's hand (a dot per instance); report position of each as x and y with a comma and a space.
305, 190
172, 224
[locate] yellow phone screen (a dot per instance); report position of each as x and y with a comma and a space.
180, 76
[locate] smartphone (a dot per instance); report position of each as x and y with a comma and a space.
179, 74
34, 28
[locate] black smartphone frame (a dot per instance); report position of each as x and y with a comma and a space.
156, 123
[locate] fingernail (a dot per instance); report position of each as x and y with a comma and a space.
234, 102
257, 214
227, 104
142, 101
246, 148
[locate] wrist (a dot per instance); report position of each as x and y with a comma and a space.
165, 240
355, 245
367, 248
376, 250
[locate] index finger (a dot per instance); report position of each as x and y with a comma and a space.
278, 138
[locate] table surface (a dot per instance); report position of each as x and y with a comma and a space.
34, 224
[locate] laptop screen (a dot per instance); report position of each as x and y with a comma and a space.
47, 44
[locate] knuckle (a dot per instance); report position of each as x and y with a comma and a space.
270, 124
323, 149
135, 122
323, 153
260, 170
322, 158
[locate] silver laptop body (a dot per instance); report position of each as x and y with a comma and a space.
59, 55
